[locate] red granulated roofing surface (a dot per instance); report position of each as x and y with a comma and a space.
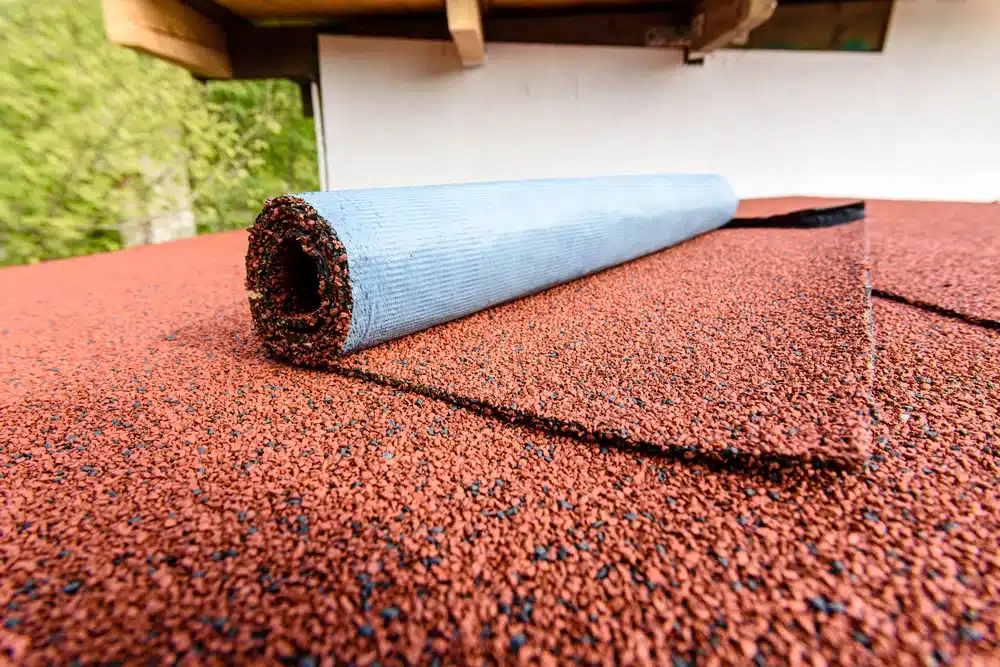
170, 494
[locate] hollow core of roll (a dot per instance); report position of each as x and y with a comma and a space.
296, 279
298, 284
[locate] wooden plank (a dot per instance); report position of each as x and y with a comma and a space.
724, 22
290, 52
466, 27
172, 31
324, 9
288, 9
662, 29
274, 53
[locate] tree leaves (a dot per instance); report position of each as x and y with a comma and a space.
93, 135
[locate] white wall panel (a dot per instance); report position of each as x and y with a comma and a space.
920, 120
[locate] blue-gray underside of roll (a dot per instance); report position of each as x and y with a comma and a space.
331, 273
423, 255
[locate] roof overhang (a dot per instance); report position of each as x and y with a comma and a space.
243, 39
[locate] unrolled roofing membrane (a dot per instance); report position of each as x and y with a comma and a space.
330, 273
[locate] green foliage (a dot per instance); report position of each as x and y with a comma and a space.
278, 140
92, 135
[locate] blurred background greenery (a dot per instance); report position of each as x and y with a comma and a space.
102, 147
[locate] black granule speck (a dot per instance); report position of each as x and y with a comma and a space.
819, 604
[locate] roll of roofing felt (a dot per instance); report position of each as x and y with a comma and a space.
330, 273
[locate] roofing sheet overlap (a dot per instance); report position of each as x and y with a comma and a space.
171, 493
739, 343
939, 254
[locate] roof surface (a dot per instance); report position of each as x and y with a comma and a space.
722, 453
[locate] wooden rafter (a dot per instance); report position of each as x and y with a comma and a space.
466, 27
172, 31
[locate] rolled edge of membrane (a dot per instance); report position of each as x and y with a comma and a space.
298, 283
308, 312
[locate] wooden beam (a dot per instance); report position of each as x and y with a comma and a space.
664, 28
260, 10
466, 27
172, 31
724, 22
273, 53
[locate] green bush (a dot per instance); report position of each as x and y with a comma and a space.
89, 131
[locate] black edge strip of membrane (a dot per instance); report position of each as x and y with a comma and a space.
983, 322
809, 218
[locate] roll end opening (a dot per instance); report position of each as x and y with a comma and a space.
296, 280
298, 283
